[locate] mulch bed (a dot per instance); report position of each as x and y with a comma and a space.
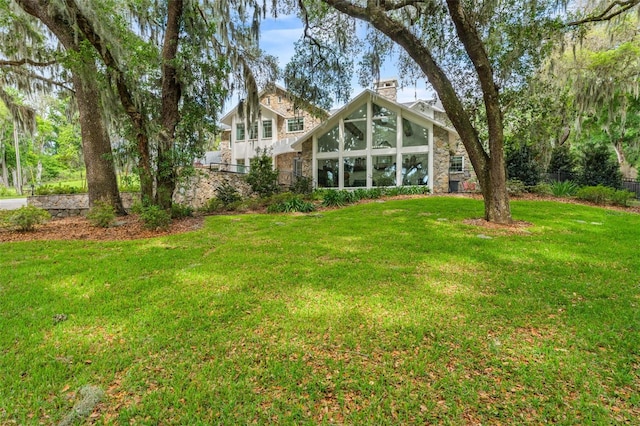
79, 228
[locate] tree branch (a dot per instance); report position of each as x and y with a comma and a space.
608, 13
20, 62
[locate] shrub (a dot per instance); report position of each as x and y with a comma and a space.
57, 190
564, 189
541, 188
228, 194
4, 218
27, 217
599, 167
562, 161
155, 217
522, 165
294, 204
178, 211
334, 198
516, 187
302, 185
214, 205
622, 197
596, 194
102, 214
262, 177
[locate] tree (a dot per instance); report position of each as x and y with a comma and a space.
189, 48
465, 49
523, 165
562, 161
598, 166
101, 178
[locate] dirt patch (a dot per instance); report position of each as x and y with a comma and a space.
79, 228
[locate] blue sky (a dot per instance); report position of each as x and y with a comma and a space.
279, 35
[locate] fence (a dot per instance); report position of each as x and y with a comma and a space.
230, 168
632, 185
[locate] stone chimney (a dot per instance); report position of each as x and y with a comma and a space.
387, 88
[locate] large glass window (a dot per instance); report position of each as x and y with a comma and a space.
328, 173
329, 141
355, 135
414, 134
253, 131
355, 171
267, 129
240, 131
384, 133
384, 170
415, 169
295, 124
359, 113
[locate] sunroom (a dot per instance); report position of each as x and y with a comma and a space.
371, 142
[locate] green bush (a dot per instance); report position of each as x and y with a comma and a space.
4, 218
302, 185
334, 198
599, 166
262, 177
294, 204
562, 160
541, 188
622, 197
595, 194
155, 217
102, 214
27, 217
564, 189
228, 194
214, 205
57, 190
516, 187
522, 165
178, 211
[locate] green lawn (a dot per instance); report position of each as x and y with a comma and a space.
383, 313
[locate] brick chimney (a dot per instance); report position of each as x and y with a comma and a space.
387, 88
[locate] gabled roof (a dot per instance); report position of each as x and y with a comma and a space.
362, 97
226, 119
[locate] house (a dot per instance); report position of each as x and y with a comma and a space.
280, 122
376, 141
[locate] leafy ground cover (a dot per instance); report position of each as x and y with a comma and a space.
388, 312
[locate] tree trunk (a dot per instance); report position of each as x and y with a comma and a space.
96, 145
170, 113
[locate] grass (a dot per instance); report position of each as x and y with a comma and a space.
382, 313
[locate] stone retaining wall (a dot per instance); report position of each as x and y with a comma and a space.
73, 204
200, 188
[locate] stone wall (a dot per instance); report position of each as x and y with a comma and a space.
199, 189
441, 152
60, 206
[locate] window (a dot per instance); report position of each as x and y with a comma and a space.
456, 164
329, 141
268, 101
355, 171
267, 129
415, 169
355, 135
414, 134
384, 170
295, 124
297, 167
384, 125
253, 131
240, 131
279, 99
328, 173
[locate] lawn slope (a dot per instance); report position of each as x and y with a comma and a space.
387, 312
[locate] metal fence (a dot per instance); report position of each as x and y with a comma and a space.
229, 168
633, 186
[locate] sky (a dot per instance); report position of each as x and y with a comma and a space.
279, 35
